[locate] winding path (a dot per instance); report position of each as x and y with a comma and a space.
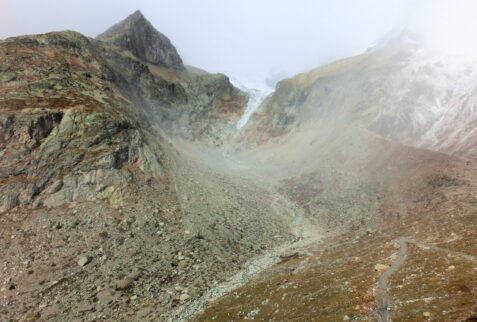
384, 311
452, 252
383, 302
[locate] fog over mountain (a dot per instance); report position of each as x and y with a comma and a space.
255, 40
238, 160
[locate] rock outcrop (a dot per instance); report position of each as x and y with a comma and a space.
184, 100
137, 35
65, 135
73, 106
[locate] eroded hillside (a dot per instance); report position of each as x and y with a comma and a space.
94, 218
128, 193
400, 90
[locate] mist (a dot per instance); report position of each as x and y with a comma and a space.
136, 187
258, 42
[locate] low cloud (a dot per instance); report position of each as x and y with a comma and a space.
255, 41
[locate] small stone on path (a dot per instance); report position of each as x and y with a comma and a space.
380, 267
184, 297
84, 260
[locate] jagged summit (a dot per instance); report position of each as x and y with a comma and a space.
137, 14
139, 36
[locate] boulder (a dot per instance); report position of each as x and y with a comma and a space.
380, 267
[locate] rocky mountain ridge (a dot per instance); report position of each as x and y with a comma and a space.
125, 196
92, 211
400, 90
137, 35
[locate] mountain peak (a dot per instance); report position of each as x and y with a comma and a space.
138, 35
404, 38
137, 13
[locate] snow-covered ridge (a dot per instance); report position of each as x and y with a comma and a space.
454, 81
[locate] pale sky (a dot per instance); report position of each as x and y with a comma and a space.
251, 40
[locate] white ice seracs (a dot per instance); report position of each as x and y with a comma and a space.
256, 97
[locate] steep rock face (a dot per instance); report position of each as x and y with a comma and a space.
65, 135
400, 91
73, 105
70, 156
185, 101
137, 35
213, 98
191, 103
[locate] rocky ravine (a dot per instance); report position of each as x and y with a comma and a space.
125, 194
96, 208
333, 138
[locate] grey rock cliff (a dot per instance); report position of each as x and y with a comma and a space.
137, 35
